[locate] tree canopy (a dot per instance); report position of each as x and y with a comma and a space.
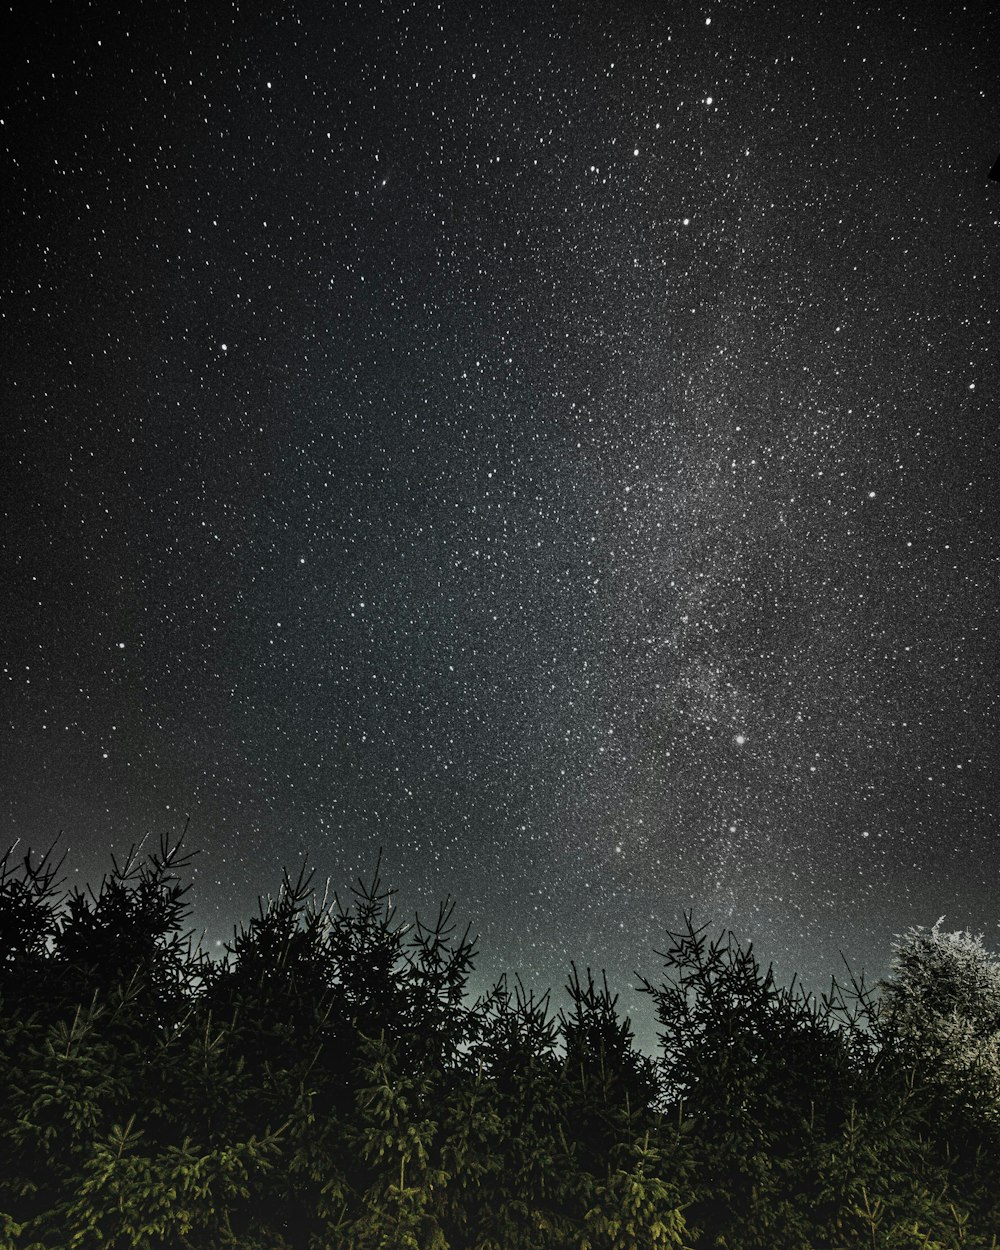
332, 1084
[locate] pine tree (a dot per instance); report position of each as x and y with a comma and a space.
396, 1139
612, 1086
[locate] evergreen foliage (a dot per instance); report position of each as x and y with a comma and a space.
332, 1085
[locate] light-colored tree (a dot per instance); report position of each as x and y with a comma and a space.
942, 1004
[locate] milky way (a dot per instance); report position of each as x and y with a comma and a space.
555, 444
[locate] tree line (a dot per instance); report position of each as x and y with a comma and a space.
331, 1084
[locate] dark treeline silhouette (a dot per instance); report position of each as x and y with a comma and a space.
331, 1084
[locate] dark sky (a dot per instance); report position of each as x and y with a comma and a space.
556, 443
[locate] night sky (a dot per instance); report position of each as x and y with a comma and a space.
555, 443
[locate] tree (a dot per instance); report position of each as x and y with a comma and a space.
762, 1073
942, 1009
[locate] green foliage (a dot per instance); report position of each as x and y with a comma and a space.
395, 1138
127, 1197
331, 1084
635, 1206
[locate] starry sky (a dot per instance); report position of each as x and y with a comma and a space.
555, 443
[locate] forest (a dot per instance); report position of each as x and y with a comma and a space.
333, 1084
